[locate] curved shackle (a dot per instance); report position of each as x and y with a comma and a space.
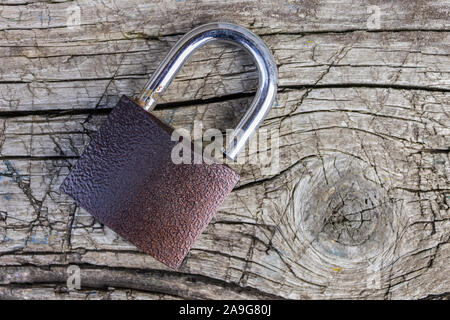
230, 33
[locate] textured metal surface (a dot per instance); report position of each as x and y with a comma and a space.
127, 180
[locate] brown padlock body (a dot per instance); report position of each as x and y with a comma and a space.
127, 180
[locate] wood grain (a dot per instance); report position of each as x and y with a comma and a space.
357, 208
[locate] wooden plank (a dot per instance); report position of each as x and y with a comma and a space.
98, 74
356, 205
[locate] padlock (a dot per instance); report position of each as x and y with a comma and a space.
126, 177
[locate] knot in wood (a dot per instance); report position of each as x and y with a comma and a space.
343, 211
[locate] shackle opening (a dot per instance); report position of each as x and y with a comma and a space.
236, 35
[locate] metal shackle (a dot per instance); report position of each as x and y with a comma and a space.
230, 33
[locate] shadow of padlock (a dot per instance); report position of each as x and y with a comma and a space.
126, 178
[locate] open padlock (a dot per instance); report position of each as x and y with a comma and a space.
126, 178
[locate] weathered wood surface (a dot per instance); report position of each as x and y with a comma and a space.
363, 188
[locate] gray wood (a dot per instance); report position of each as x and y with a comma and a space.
359, 205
